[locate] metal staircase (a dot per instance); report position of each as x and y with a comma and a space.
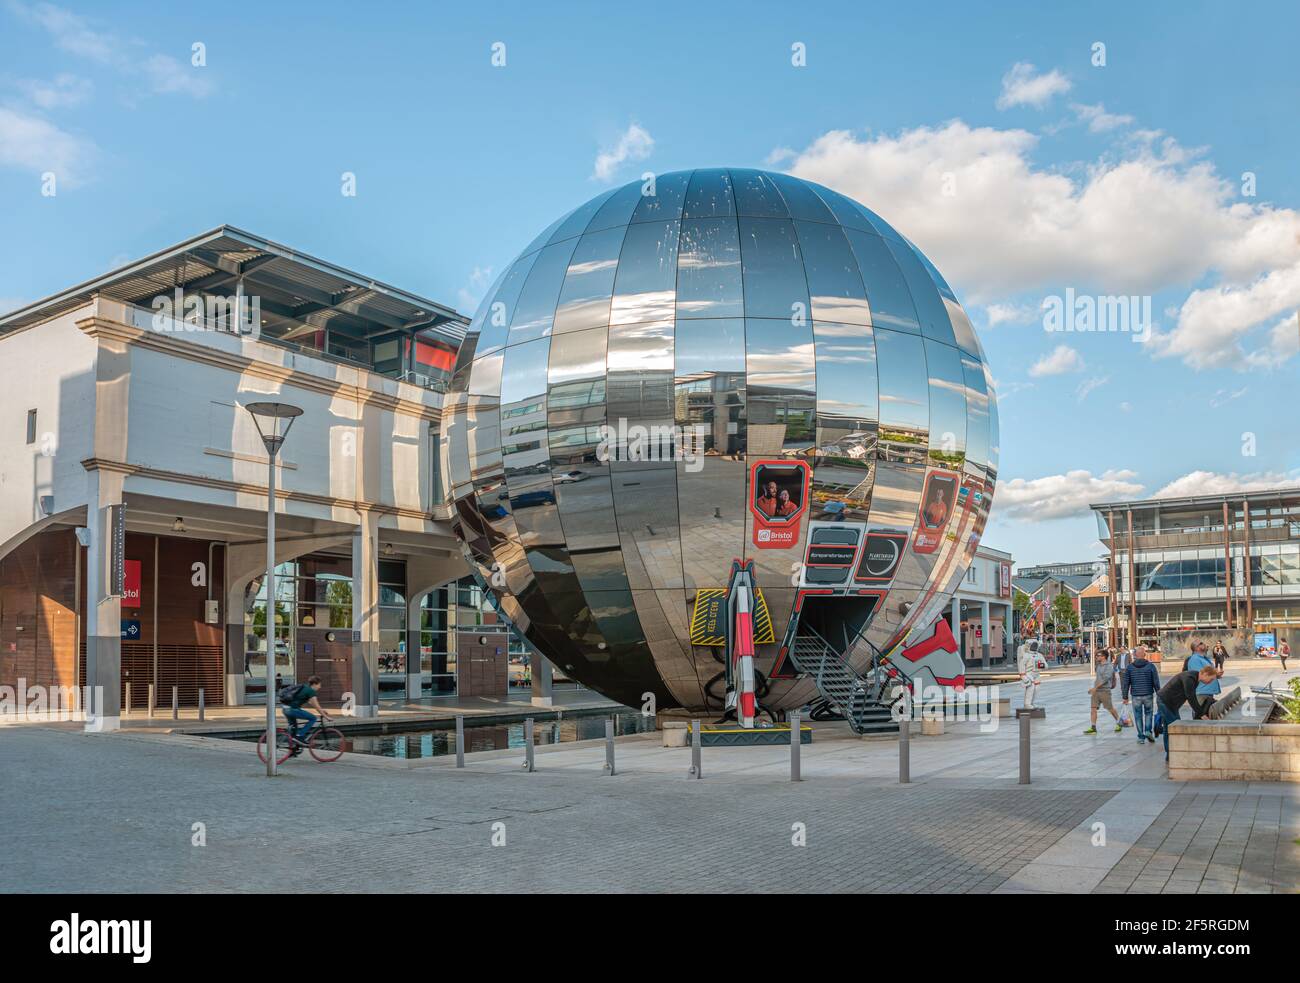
856, 698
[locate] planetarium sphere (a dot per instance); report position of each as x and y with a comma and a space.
718, 370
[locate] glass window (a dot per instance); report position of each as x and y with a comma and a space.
708, 269
772, 266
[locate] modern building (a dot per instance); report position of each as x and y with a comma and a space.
133, 485
1213, 562
982, 616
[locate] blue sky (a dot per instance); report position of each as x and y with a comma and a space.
985, 133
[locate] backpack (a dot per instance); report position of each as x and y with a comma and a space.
289, 693
1186, 662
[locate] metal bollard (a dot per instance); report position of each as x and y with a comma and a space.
795, 740
695, 771
152, 702
202, 705
1024, 748
609, 746
528, 745
460, 740
126, 710
176, 703
905, 750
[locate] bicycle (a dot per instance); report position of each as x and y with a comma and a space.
325, 743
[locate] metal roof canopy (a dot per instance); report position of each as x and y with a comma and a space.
1202, 501
291, 284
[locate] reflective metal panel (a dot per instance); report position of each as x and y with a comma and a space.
589, 285
576, 223
618, 208
802, 201
977, 412
708, 269
887, 293
904, 397
495, 327
772, 266
665, 203
646, 283
947, 406
930, 309
756, 195
645, 501
709, 195
848, 413
535, 311
834, 283
709, 406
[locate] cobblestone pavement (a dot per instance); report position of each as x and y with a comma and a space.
116, 813
1214, 839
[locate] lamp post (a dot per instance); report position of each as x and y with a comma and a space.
273, 421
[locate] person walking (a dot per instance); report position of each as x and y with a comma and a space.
1284, 653
1219, 655
1141, 683
1104, 680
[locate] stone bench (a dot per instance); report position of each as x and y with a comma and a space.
1234, 750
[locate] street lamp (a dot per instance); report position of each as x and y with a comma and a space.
273, 421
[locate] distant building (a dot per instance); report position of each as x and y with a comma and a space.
1203, 563
982, 616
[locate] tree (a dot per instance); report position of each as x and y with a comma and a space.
1062, 613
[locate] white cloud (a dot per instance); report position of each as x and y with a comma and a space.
79, 36
1089, 385
1060, 360
1098, 120
1010, 314
1146, 217
469, 296
34, 144
64, 89
634, 144
1061, 496
1024, 86
1213, 483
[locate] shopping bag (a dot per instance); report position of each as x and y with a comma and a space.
1126, 715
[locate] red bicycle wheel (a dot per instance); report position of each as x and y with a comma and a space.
282, 747
327, 744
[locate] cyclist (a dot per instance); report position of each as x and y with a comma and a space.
295, 699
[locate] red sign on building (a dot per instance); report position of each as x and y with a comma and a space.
778, 499
131, 584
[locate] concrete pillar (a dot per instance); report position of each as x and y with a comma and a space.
365, 616
986, 632
414, 603
103, 612
542, 679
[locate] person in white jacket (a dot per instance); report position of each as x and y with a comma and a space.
1031, 665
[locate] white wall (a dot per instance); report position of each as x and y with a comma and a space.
49, 368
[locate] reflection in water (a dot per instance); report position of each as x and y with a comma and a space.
431, 743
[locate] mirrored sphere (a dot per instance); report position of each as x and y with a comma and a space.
718, 369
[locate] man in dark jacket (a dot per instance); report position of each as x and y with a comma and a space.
1140, 685
1179, 690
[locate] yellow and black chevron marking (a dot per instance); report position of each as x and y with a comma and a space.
708, 620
